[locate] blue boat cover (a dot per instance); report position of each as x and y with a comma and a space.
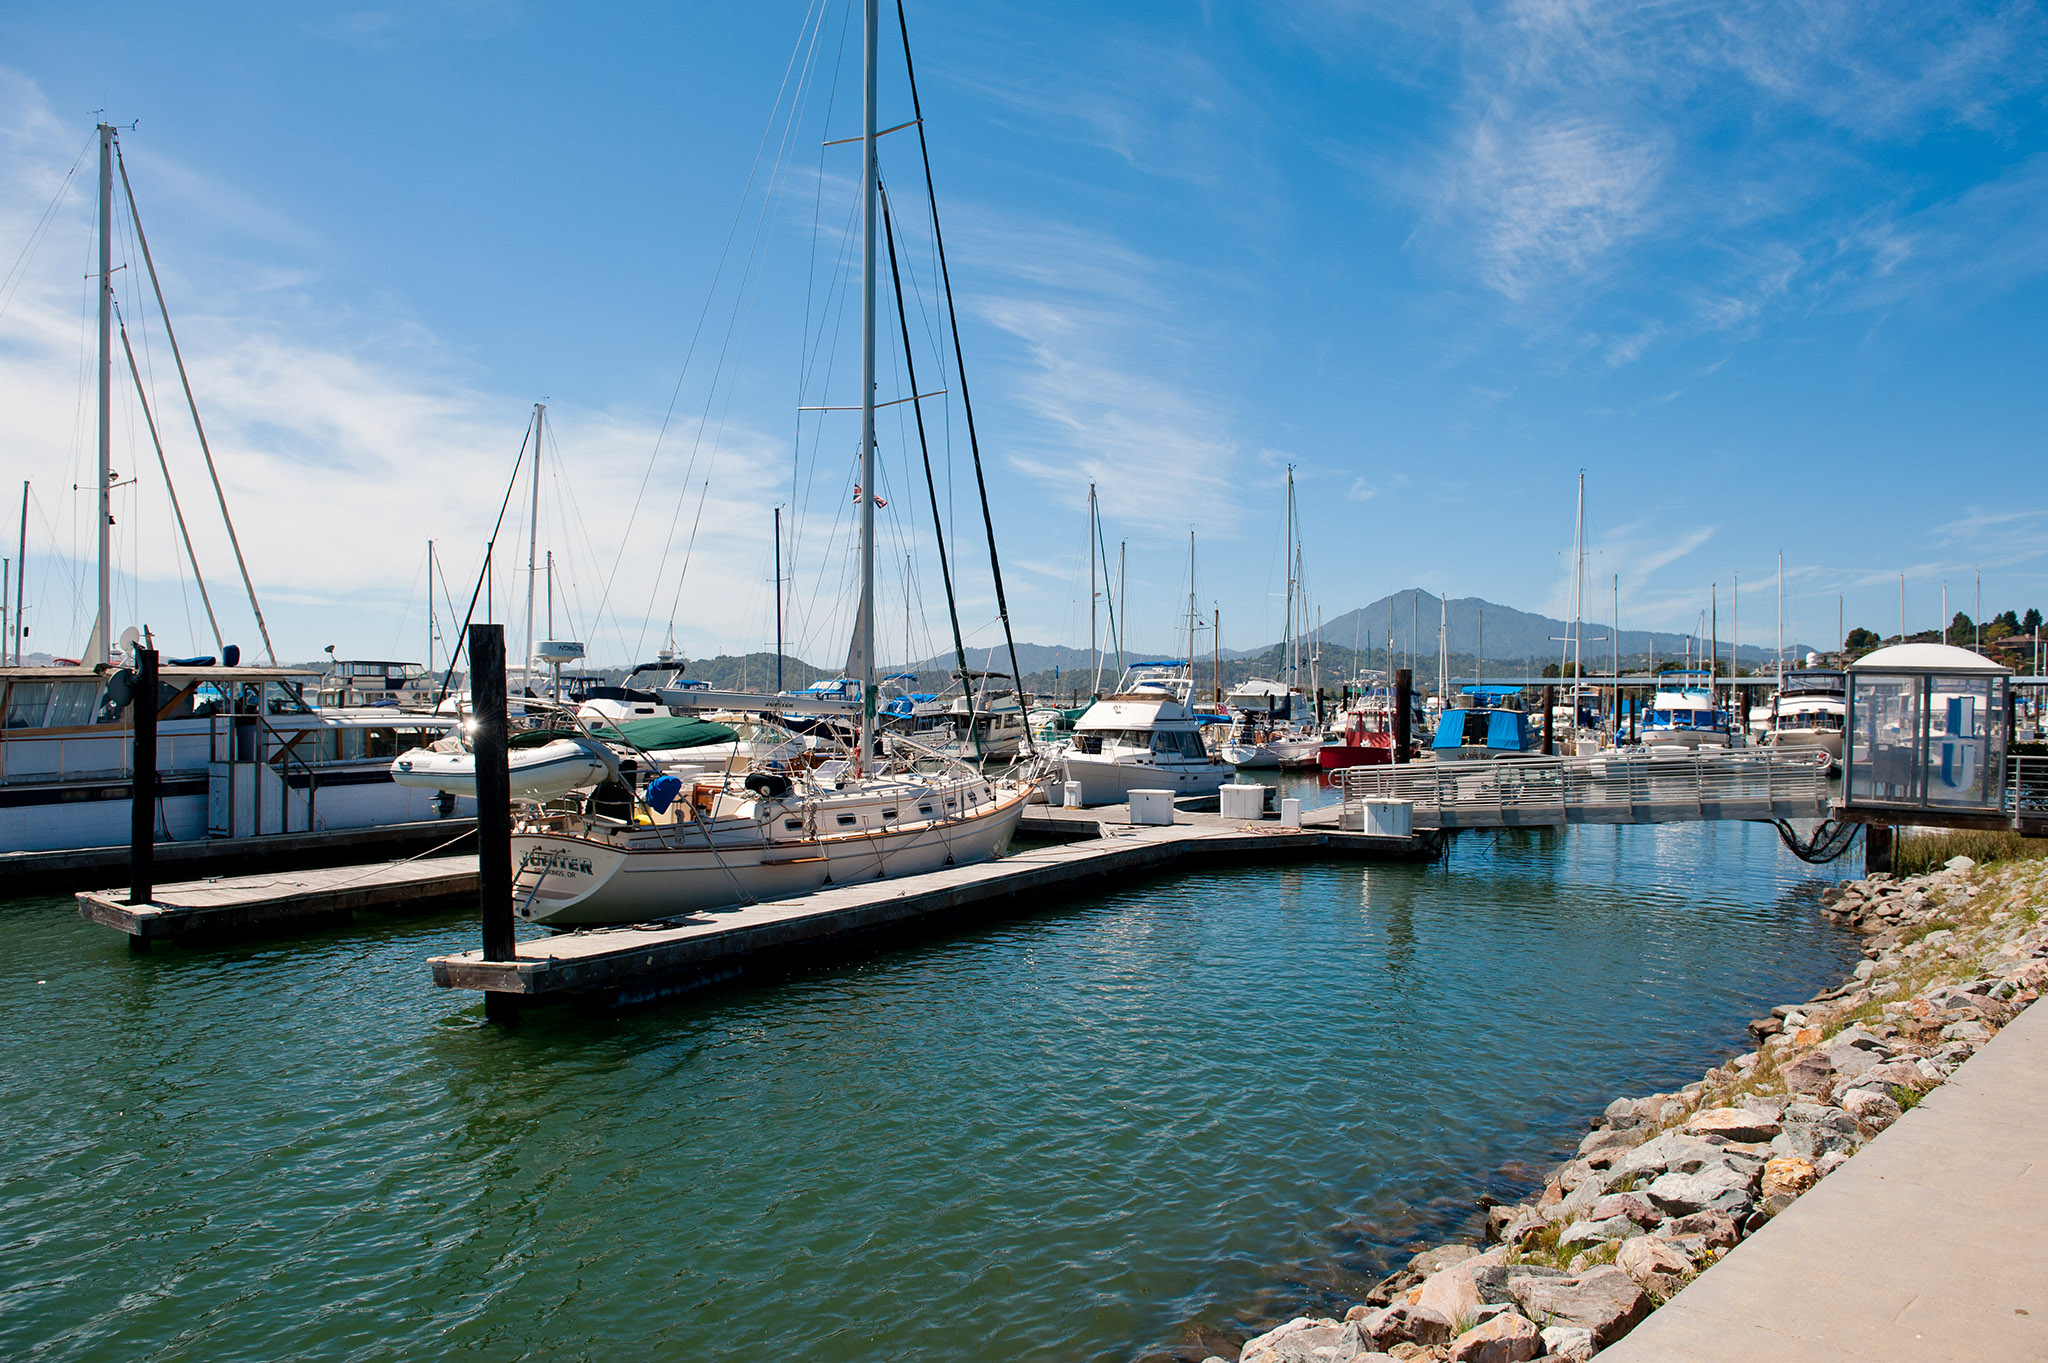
1504, 730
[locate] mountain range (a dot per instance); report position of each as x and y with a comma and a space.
1478, 628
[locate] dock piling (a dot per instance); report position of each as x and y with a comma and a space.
1404, 696
1877, 848
1549, 719
142, 790
493, 805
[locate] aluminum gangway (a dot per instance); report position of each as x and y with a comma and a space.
1609, 787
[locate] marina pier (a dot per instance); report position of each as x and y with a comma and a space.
617, 966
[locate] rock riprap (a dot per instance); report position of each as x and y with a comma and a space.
1664, 1185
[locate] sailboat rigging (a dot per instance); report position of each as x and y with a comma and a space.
636, 848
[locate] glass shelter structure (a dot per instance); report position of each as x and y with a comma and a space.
1928, 728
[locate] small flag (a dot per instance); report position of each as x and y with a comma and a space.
879, 501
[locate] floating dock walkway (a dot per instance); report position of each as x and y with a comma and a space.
614, 967
227, 905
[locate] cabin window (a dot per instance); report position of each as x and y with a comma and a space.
72, 704
793, 825
284, 698
380, 743
924, 809
846, 820
888, 813
949, 804
26, 705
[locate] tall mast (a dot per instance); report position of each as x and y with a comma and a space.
1781, 617
1122, 601
778, 599
430, 605
104, 631
865, 624
1191, 611
533, 533
20, 579
1443, 650
1579, 595
1287, 540
1094, 647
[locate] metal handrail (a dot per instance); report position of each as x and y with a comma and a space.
2026, 784
1613, 787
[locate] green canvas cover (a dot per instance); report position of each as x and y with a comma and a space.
657, 734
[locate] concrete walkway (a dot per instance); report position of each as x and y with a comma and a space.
1931, 1243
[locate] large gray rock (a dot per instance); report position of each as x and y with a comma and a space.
1852, 1061
1605, 1301
1492, 1280
1713, 1188
1507, 1338
1296, 1342
1732, 1123
1871, 1106
1404, 1324
1634, 1206
1581, 1234
1573, 1343
1417, 1269
1608, 1138
1810, 1073
1660, 1267
1672, 1150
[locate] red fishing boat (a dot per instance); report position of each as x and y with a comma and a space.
1361, 736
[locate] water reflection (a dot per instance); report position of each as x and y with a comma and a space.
1147, 1120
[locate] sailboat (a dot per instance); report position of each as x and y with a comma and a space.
1267, 732
626, 852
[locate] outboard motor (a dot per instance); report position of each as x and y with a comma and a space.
768, 785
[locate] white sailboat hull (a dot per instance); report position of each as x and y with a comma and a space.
564, 880
1272, 754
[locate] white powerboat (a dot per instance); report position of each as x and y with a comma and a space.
1811, 710
1144, 737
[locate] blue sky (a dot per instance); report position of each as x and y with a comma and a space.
1772, 275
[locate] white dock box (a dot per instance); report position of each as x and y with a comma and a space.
1385, 818
1243, 802
1070, 795
1290, 813
1152, 807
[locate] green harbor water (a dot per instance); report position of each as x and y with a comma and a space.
1141, 1123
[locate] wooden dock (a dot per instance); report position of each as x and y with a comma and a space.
614, 967
228, 905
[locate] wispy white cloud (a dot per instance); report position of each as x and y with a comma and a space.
342, 449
